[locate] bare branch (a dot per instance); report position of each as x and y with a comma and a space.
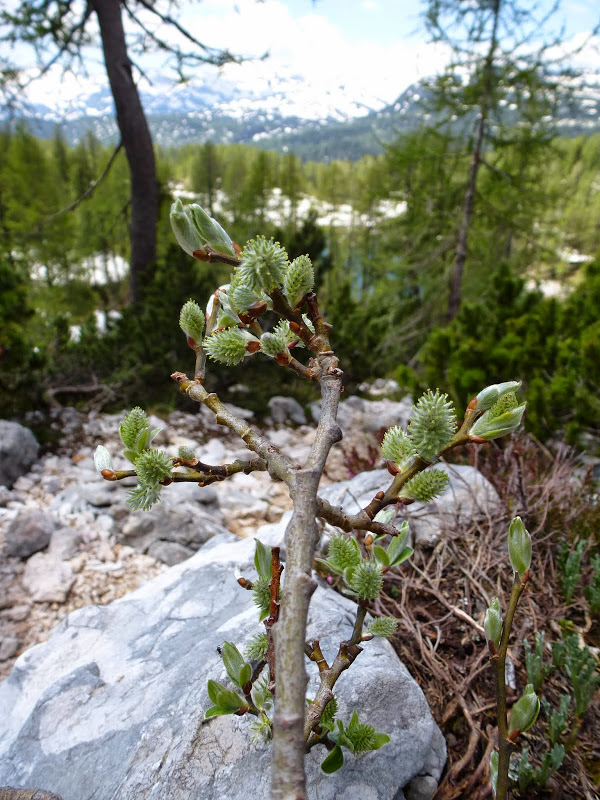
88, 192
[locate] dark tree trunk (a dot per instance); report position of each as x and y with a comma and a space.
460, 256
137, 143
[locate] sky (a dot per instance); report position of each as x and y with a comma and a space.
352, 55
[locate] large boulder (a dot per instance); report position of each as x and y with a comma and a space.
467, 495
112, 705
18, 451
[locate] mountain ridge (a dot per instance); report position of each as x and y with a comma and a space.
183, 114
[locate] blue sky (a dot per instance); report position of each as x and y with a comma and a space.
349, 55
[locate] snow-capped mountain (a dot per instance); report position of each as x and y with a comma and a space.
285, 113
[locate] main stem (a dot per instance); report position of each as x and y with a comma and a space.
504, 746
302, 538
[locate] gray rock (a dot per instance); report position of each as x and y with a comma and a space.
18, 451
467, 495
17, 613
111, 706
65, 543
47, 578
5, 496
8, 647
29, 533
187, 525
379, 387
423, 785
368, 416
286, 411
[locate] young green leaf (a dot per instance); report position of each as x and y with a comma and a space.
334, 761
262, 560
234, 662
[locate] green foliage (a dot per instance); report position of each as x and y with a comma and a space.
552, 343
534, 662
224, 700
557, 718
592, 590
581, 667
357, 737
569, 562
397, 551
238, 670
527, 774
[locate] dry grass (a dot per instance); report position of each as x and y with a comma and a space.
440, 598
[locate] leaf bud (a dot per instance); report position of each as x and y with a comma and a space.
194, 228
494, 771
502, 418
525, 711
519, 546
492, 623
491, 394
192, 321
102, 459
133, 424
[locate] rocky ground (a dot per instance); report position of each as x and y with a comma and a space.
68, 539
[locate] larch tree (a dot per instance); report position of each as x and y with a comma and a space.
58, 31
501, 89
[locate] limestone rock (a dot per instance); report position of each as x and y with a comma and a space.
8, 647
286, 411
370, 416
28, 533
18, 451
111, 706
171, 533
47, 578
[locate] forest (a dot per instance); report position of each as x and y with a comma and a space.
382, 234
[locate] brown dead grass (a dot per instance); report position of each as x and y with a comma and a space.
440, 598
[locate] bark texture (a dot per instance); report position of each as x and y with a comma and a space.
137, 142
